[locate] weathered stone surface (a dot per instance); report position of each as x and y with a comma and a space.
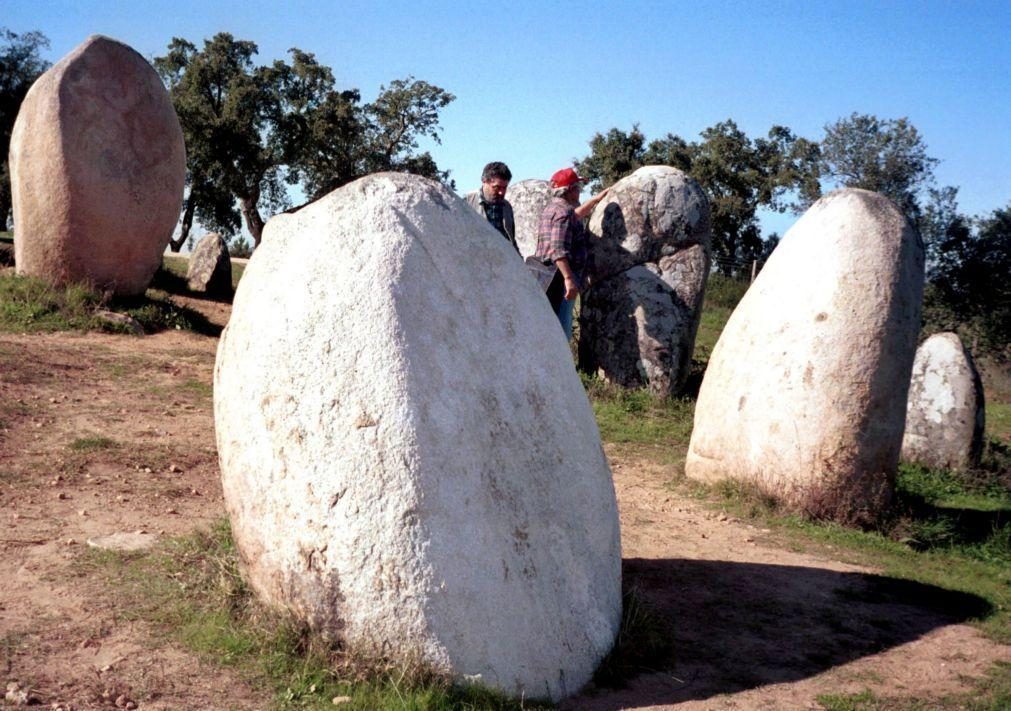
805, 392
944, 414
398, 468
528, 198
210, 268
652, 213
97, 170
124, 541
124, 322
638, 327
650, 246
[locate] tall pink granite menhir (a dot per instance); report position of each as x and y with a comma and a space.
97, 170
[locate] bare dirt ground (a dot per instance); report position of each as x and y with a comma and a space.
102, 434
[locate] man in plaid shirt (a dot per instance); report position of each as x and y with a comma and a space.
562, 239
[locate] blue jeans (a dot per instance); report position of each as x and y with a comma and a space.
564, 314
561, 307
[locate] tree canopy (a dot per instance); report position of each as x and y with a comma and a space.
969, 278
887, 156
252, 130
737, 173
20, 66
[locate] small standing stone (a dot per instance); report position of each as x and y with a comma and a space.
210, 269
945, 413
120, 321
528, 198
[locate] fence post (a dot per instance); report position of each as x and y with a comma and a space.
754, 269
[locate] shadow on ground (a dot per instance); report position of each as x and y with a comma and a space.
738, 626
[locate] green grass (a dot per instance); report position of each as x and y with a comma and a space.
190, 386
191, 590
990, 693
998, 421
197, 388
155, 312
978, 489
237, 271
722, 296
724, 292
644, 643
640, 423
175, 264
92, 444
637, 416
30, 305
710, 327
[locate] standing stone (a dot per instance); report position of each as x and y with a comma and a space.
210, 269
528, 198
97, 170
805, 393
944, 415
399, 469
651, 250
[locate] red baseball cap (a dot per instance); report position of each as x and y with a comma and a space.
565, 177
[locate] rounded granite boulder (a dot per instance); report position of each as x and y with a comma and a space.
804, 396
408, 457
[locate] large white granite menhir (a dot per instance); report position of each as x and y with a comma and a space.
650, 244
805, 392
97, 170
945, 414
408, 457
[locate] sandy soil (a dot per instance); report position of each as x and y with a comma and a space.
755, 624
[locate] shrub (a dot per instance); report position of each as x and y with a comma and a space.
240, 248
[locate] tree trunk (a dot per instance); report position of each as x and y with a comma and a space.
177, 244
254, 223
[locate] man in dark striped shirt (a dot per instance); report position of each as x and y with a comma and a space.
562, 240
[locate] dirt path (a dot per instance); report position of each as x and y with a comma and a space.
102, 434
758, 626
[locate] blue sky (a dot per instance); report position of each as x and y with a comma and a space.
535, 80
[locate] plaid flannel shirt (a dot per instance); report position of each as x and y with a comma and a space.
561, 235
